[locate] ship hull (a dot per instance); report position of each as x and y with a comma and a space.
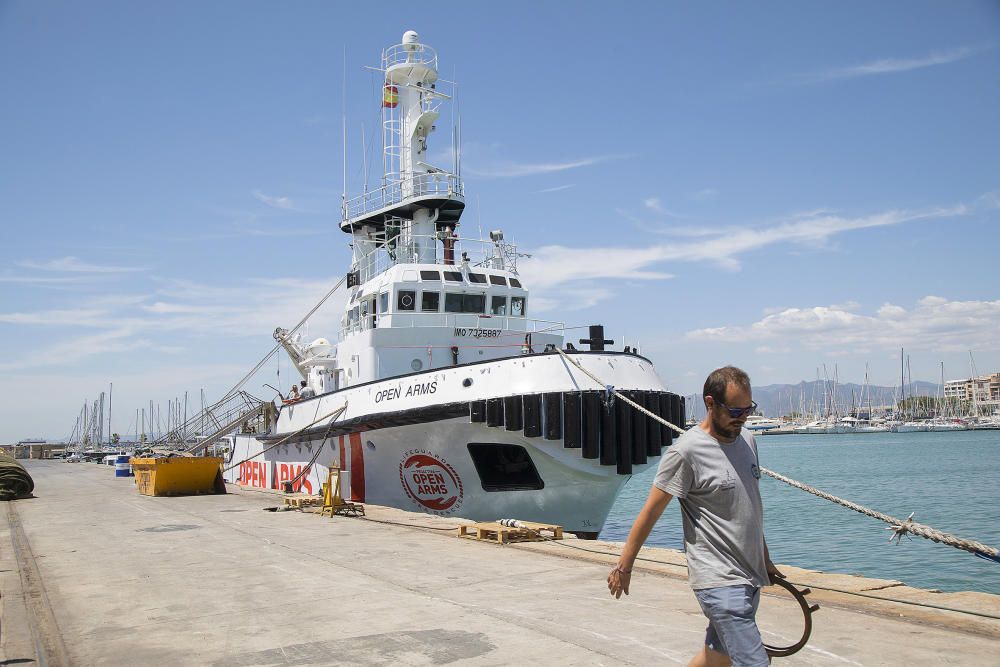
427, 451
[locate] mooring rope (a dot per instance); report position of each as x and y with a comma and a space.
336, 413
305, 471
899, 528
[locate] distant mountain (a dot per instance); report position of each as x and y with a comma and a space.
777, 400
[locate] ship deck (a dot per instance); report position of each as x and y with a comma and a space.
101, 575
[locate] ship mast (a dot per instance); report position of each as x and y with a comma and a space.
417, 204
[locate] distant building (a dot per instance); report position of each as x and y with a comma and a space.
33, 450
983, 391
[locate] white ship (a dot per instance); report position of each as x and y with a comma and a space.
441, 394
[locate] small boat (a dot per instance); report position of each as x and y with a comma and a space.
759, 423
910, 427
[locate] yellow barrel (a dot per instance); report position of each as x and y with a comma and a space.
179, 475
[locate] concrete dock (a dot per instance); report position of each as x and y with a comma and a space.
92, 573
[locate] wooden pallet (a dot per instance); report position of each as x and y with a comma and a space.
496, 532
302, 500
343, 509
555, 531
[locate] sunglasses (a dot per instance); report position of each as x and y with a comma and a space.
736, 413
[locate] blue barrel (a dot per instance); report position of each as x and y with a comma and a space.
122, 468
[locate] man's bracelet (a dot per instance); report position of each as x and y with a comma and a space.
622, 570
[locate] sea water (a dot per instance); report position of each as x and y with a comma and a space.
950, 480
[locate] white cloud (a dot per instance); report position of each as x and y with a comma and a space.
39, 280
705, 195
550, 266
118, 339
283, 203
886, 66
570, 299
655, 204
181, 312
558, 188
508, 169
989, 200
74, 265
933, 323
85, 317
551, 270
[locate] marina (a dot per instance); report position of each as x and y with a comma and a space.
215, 580
493, 343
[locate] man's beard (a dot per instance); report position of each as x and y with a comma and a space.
724, 429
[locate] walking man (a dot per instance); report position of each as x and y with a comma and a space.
713, 470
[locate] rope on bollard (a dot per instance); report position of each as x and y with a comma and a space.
898, 527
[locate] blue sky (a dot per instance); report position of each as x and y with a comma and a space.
775, 185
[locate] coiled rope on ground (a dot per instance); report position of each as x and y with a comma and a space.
15, 482
899, 528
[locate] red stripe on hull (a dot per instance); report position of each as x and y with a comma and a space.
357, 469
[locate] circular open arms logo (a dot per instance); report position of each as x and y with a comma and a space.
429, 481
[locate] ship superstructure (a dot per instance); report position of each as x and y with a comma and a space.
454, 400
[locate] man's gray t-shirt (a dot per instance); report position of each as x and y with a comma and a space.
716, 484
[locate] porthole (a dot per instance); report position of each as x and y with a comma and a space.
416, 364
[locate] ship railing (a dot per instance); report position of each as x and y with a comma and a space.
438, 183
384, 251
216, 420
498, 330
401, 54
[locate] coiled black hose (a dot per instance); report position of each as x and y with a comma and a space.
15, 482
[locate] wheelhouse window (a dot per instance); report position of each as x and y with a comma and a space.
514, 282
405, 300
517, 306
453, 276
498, 280
498, 305
464, 303
430, 275
504, 467
430, 302
383, 302
477, 278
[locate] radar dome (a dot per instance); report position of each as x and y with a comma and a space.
411, 37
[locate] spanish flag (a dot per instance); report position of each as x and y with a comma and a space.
390, 96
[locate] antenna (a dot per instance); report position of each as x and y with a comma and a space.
479, 217
343, 108
457, 107
454, 130
364, 155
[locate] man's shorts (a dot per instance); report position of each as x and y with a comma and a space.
732, 627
